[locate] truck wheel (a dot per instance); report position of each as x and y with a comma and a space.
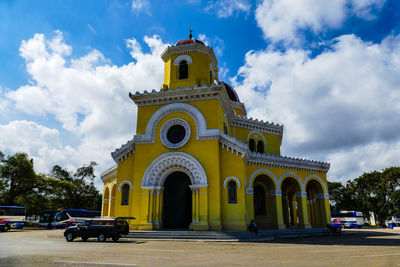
115, 238
101, 238
70, 237
6, 228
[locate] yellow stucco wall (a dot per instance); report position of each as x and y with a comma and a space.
211, 210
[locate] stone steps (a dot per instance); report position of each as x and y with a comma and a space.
229, 236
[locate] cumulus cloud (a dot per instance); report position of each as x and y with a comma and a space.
87, 95
345, 99
228, 8
216, 43
282, 20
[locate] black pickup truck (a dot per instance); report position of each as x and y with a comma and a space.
99, 228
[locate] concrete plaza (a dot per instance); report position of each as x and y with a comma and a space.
365, 247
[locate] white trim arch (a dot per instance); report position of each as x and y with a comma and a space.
162, 166
198, 117
309, 177
125, 182
256, 132
231, 178
293, 175
263, 171
182, 57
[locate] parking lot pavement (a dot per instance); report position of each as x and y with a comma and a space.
49, 248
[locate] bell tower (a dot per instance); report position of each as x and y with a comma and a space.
189, 63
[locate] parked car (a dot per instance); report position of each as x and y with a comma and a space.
336, 223
98, 228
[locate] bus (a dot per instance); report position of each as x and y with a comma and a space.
46, 218
12, 217
349, 219
68, 217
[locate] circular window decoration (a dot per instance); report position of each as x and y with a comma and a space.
175, 133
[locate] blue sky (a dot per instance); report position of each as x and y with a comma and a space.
328, 70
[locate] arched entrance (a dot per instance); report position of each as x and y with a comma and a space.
177, 201
315, 204
290, 205
264, 205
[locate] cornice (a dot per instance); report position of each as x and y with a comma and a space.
184, 49
287, 162
124, 151
109, 173
215, 91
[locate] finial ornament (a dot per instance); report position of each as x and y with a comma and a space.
190, 33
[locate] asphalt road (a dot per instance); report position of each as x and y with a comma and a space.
354, 247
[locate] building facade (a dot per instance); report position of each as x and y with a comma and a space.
197, 162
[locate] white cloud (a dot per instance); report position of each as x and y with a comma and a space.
281, 20
216, 43
228, 8
141, 6
346, 99
87, 95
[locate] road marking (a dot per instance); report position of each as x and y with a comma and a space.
98, 263
154, 249
342, 250
374, 255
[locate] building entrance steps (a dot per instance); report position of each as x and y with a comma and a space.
223, 236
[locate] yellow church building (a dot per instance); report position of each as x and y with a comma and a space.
198, 162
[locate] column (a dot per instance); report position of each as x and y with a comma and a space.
156, 221
301, 198
151, 206
279, 223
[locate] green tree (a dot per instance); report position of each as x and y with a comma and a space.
18, 179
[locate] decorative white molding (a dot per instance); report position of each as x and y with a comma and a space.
277, 193
167, 163
125, 182
269, 173
317, 178
215, 91
109, 173
292, 175
231, 178
202, 131
167, 125
189, 48
257, 132
182, 57
287, 162
124, 151
322, 196
301, 194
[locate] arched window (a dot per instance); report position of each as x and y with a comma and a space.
125, 194
232, 194
252, 145
225, 128
260, 147
183, 70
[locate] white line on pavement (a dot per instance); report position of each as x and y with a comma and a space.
342, 250
154, 249
374, 255
98, 263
